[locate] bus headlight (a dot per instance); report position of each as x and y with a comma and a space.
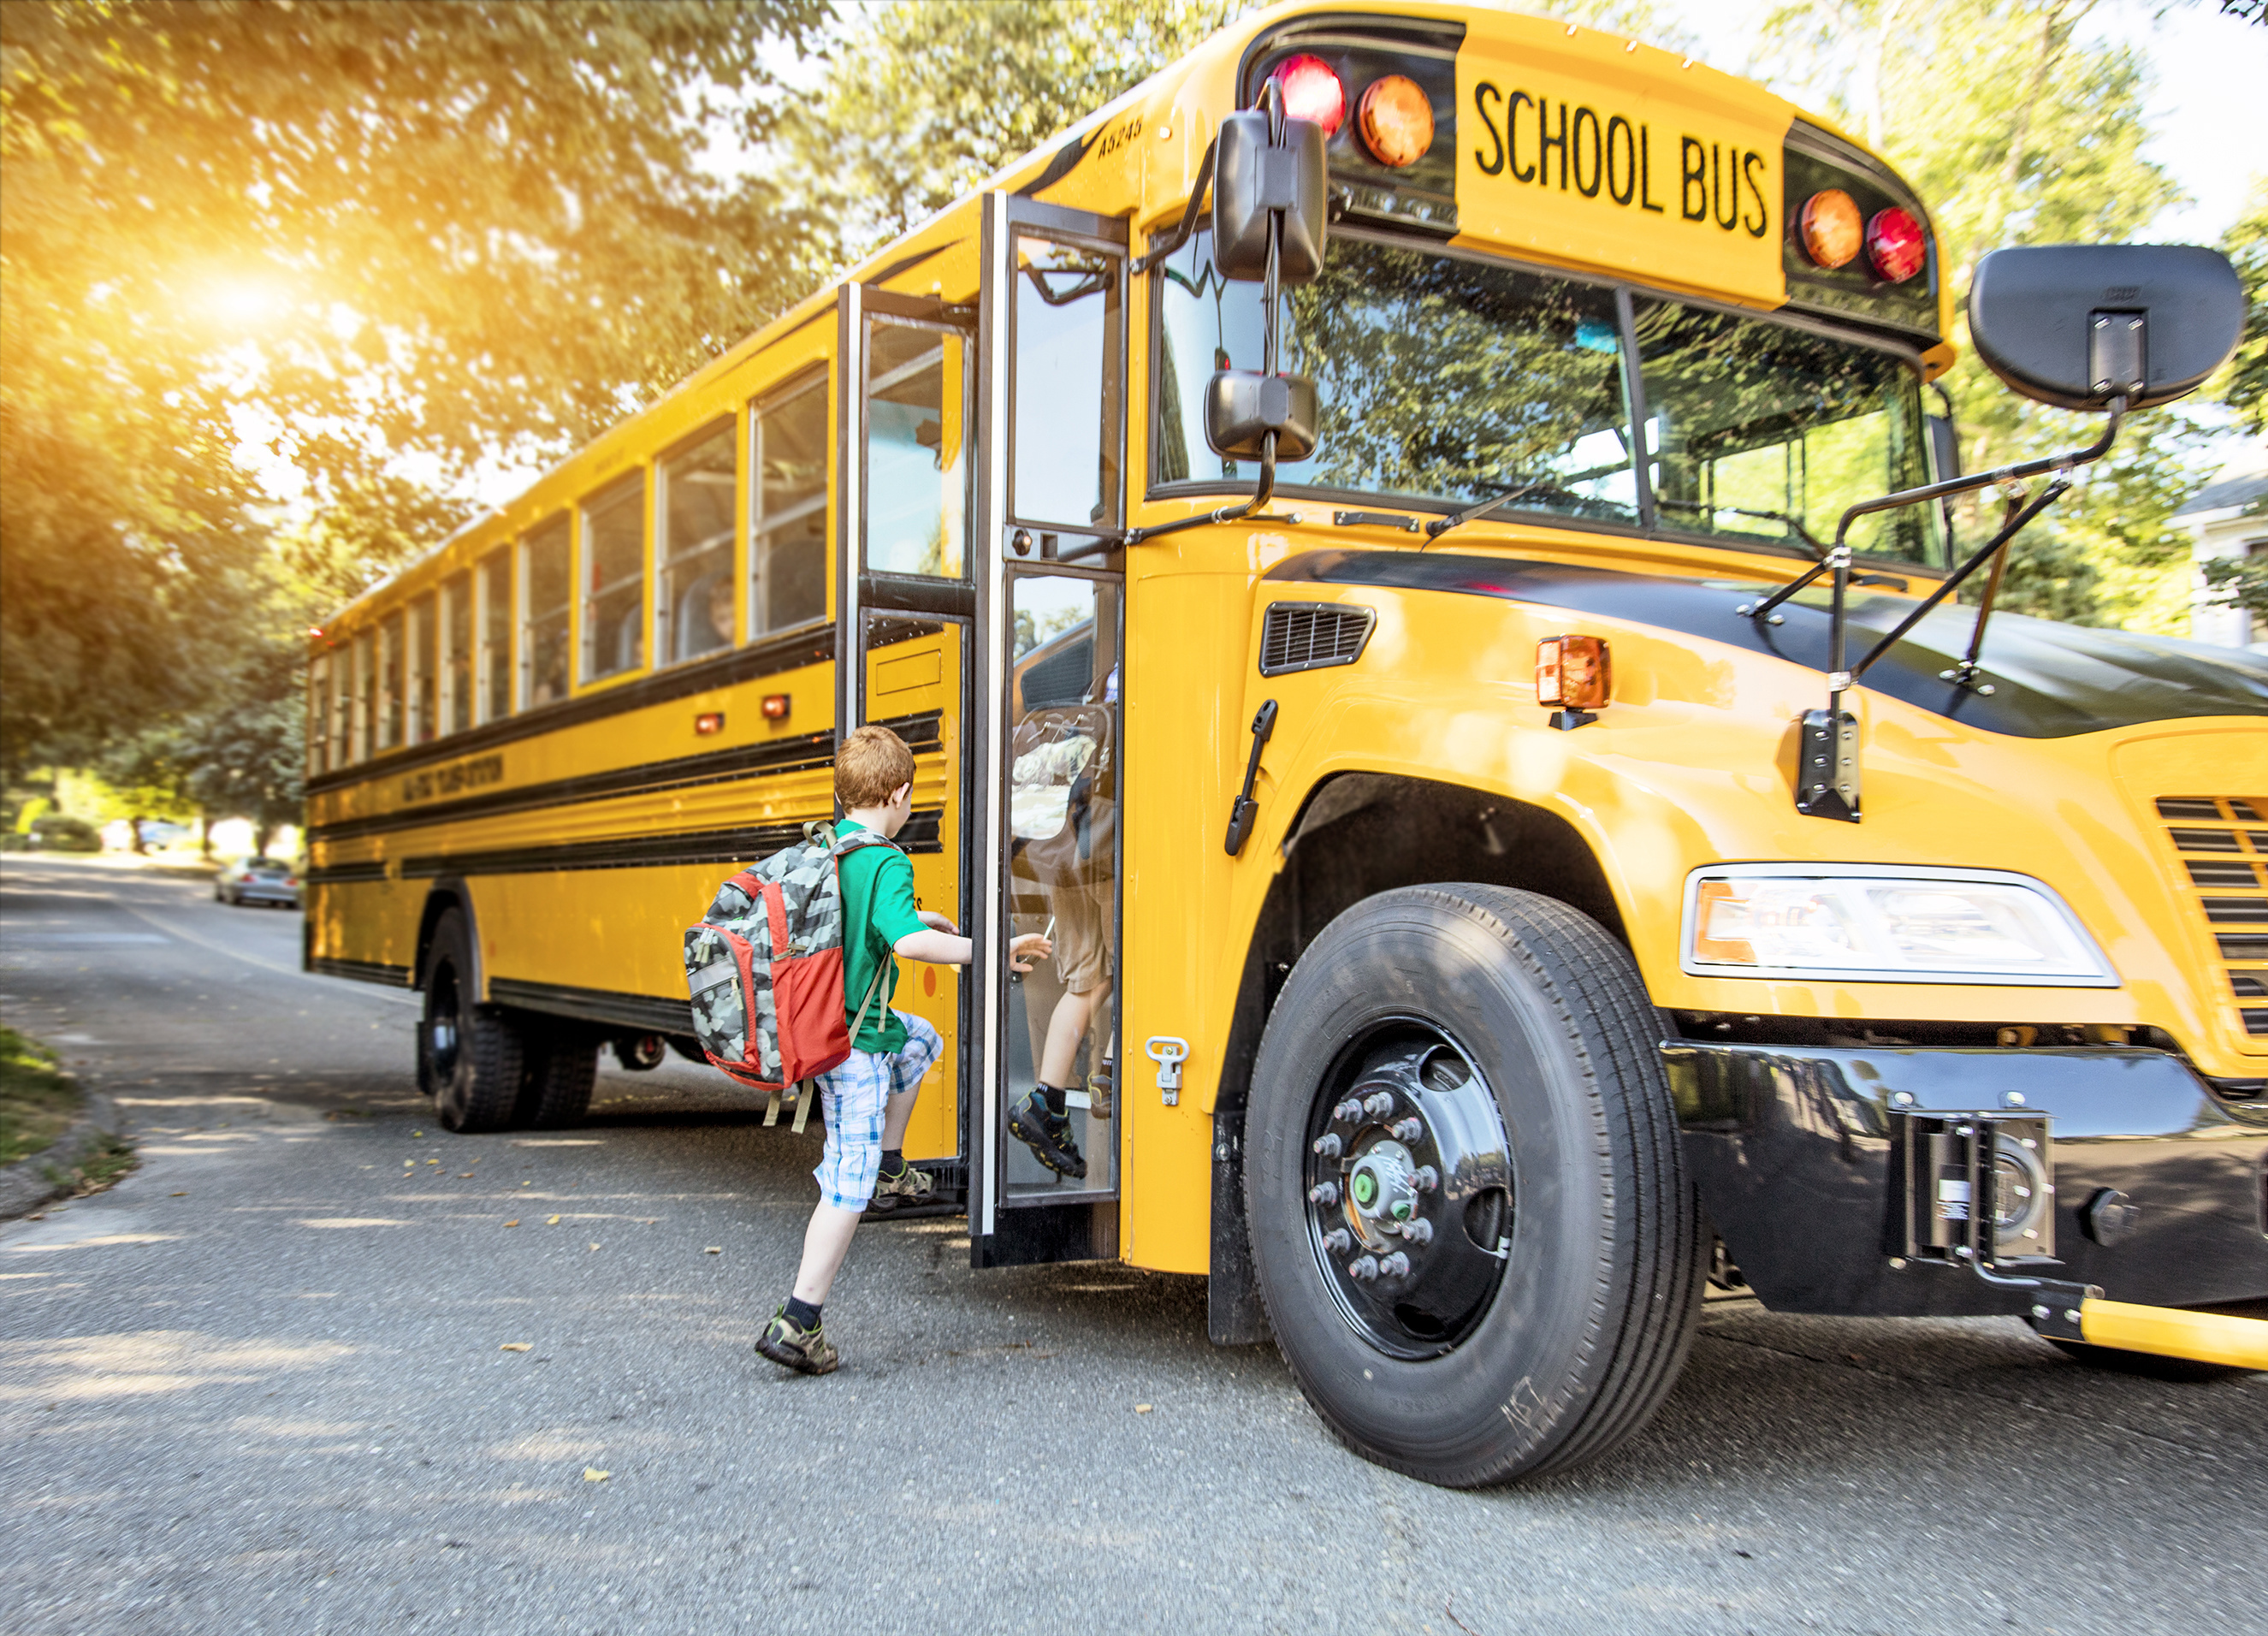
1878, 924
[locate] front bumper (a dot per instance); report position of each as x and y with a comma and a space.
1791, 1150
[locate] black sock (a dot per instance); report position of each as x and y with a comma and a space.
1055, 1095
803, 1314
894, 1163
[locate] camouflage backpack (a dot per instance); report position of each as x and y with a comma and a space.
765, 968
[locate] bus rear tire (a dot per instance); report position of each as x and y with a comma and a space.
1504, 1043
470, 1059
561, 1072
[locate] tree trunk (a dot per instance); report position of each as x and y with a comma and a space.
204, 835
134, 827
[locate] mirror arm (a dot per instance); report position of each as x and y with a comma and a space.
1165, 248
1994, 550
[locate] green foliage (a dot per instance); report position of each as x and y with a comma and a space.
37, 1103
2243, 385
2238, 582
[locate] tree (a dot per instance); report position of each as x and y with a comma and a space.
349, 232
2243, 387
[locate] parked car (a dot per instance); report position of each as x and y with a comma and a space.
257, 880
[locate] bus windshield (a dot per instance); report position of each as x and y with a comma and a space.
1446, 380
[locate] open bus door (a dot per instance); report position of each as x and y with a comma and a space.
1051, 391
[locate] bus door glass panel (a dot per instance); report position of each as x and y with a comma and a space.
1763, 434
457, 652
915, 514
787, 523
495, 620
547, 585
693, 610
1068, 395
420, 693
614, 581
1062, 744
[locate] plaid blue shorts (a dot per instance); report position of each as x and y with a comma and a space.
853, 1098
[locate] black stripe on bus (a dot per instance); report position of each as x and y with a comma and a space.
362, 971
645, 1012
922, 732
339, 875
793, 652
743, 845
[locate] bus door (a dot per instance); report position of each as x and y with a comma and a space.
1046, 1151
905, 609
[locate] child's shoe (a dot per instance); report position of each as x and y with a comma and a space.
1048, 1134
1099, 1088
788, 1343
910, 1186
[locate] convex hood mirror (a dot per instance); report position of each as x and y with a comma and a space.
1255, 181
2077, 325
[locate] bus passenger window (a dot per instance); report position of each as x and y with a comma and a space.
389, 682
495, 659
1065, 447
695, 550
788, 502
614, 581
917, 510
424, 719
318, 717
456, 708
365, 696
543, 637
1760, 432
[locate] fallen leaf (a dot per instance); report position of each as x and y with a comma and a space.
417, 1133
592, 1474
516, 1346
514, 1222
177, 1196
553, 1222
595, 1247
1141, 1408
432, 1161
464, 1175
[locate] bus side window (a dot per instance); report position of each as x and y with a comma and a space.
456, 708
693, 515
787, 504
365, 696
495, 618
614, 580
419, 693
319, 716
389, 681
544, 637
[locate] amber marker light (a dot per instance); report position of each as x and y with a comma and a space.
1573, 671
1396, 121
709, 721
1311, 89
1830, 226
1897, 244
1719, 908
776, 706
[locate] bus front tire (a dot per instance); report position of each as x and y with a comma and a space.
1506, 1040
470, 1057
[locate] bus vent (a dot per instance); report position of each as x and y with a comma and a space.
2223, 842
1311, 636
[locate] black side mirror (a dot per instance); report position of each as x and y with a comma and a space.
1241, 408
2077, 325
1255, 180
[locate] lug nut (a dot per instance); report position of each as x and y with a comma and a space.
1410, 1129
1323, 1193
1363, 1268
1327, 1145
1427, 1179
1418, 1231
1347, 1112
1394, 1266
1378, 1104
1338, 1240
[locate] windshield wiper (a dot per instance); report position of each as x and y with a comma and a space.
1795, 524
1441, 526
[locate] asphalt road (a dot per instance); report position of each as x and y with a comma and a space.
259, 1386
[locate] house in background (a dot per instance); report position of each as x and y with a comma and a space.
2228, 517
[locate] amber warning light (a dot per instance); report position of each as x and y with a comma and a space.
709, 721
776, 706
1576, 674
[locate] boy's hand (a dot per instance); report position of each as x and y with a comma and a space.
936, 922
1026, 949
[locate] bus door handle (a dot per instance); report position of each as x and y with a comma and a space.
1242, 816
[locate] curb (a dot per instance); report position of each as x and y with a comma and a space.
25, 1184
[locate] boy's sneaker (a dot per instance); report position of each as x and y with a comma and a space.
910, 1186
787, 1342
1100, 1085
1048, 1134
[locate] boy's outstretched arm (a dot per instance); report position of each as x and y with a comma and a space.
943, 948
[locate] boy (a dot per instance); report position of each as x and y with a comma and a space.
868, 1101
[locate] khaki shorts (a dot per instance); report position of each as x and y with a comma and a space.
1084, 958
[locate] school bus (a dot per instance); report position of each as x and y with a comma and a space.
1378, 541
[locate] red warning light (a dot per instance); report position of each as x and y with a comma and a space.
1897, 244
1311, 89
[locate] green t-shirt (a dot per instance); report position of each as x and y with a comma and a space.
878, 909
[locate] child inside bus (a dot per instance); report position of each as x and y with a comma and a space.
869, 1100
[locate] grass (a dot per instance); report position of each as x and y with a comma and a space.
37, 1103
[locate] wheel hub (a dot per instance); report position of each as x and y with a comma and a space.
1409, 1194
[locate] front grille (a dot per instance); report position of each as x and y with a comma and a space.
1312, 636
2223, 841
